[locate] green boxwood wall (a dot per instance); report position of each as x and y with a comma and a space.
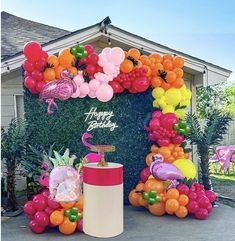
66, 127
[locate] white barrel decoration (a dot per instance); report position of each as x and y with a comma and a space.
103, 200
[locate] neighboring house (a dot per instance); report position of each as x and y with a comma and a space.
17, 31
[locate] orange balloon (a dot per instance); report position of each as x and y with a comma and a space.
134, 53
167, 64
179, 72
178, 62
58, 71
157, 57
153, 184
157, 209
171, 147
149, 71
139, 187
172, 205
49, 74
162, 197
148, 158
57, 217
165, 151
142, 202
134, 198
139, 64
73, 70
126, 66
67, 205
170, 159
165, 85
66, 59
182, 212
170, 76
67, 227
152, 60
53, 61
167, 56
79, 204
159, 68
178, 83
172, 193
154, 148
183, 199
156, 81
144, 59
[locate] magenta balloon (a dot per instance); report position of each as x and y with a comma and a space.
35, 228
80, 226
203, 201
177, 139
104, 93
28, 66
29, 82
89, 48
90, 69
202, 213
39, 202
163, 142
211, 195
93, 58
144, 174
52, 204
165, 171
41, 218
154, 124
29, 208
46, 193
157, 114
151, 137
33, 51
41, 64
192, 206
209, 208
168, 120
37, 75
141, 84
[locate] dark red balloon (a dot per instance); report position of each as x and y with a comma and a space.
90, 69
117, 88
144, 174
33, 51
28, 66
44, 54
192, 195
93, 58
141, 84
52, 203
35, 228
209, 208
29, 82
89, 48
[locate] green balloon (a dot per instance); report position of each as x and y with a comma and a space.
145, 196
183, 124
80, 48
151, 201
158, 199
84, 55
78, 56
67, 213
73, 218
176, 127
181, 132
152, 194
74, 211
73, 50
79, 216
187, 130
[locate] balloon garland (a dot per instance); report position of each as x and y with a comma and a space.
167, 184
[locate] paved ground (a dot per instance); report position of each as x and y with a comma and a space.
141, 226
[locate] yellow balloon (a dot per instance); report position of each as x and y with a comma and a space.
185, 103
173, 96
151, 177
168, 109
158, 92
155, 103
187, 168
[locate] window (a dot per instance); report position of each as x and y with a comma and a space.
19, 105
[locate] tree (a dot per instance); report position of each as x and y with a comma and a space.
204, 137
12, 147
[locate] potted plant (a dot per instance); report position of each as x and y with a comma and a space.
12, 147
205, 137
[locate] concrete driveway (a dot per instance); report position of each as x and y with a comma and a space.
140, 225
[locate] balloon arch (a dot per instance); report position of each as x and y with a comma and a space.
167, 184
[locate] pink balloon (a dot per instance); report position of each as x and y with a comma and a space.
78, 79
76, 93
35, 228
106, 50
92, 94
109, 68
39, 202
102, 60
94, 84
104, 93
41, 218
168, 120
117, 55
177, 140
84, 89
29, 208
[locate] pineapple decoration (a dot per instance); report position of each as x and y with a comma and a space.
64, 185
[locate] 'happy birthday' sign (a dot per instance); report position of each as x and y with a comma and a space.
99, 119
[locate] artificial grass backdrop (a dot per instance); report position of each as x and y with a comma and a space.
66, 126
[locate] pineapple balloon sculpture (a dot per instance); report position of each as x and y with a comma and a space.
64, 182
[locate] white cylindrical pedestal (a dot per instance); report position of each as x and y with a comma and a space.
103, 200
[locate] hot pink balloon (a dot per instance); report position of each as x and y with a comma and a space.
39, 202
35, 228
29, 82
29, 208
144, 174
42, 218
117, 55
89, 48
28, 66
168, 120
33, 51
104, 93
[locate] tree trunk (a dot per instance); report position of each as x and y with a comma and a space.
204, 164
12, 204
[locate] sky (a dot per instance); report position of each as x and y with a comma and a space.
204, 29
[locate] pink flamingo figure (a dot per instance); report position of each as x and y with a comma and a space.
58, 89
44, 181
91, 157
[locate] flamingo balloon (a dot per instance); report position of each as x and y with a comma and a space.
43, 180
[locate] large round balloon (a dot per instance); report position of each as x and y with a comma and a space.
104, 93
33, 51
186, 167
